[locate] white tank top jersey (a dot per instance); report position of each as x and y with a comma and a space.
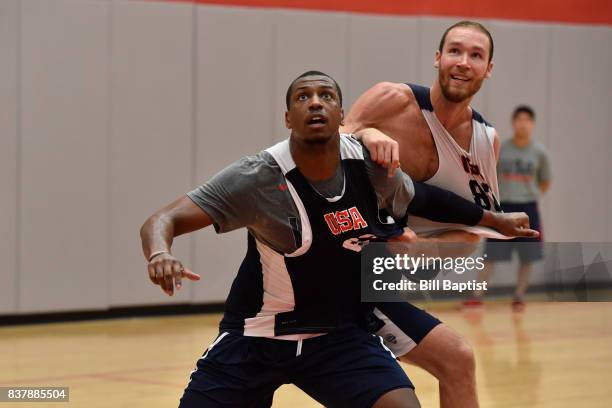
471, 174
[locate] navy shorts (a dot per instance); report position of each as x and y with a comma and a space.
402, 325
349, 368
529, 249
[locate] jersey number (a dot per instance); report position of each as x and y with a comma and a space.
481, 193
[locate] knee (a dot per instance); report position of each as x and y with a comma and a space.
457, 362
445, 355
465, 355
462, 364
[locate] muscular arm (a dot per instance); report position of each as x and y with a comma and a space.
496, 146
157, 233
441, 205
180, 217
371, 116
399, 195
224, 201
375, 106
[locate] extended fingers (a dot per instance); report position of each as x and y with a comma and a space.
395, 163
177, 270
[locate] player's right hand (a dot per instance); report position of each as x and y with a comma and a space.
167, 271
383, 150
515, 224
408, 236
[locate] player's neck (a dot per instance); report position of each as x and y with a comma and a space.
450, 114
316, 161
521, 141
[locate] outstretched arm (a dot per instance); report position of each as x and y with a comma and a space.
441, 205
368, 115
158, 232
400, 196
226, 201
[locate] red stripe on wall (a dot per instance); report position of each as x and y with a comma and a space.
565, 11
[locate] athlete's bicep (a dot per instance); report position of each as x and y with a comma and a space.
186, 216
374, 106
496, 145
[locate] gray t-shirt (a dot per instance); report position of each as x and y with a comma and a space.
520, 171
252, 192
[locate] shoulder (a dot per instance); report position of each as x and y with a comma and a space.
540, 149
394, 93
388, 96
489, 130
476, 116
257, 169
261, 161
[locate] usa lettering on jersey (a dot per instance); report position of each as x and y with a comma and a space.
345, 220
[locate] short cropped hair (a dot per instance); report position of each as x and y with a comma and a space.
469, 24
523, 109
312, 73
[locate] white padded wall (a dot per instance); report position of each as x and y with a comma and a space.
579, 103
151, 136
111, 109
306, 41
380, 48
9, 40
234, 118
64, 167
521, 75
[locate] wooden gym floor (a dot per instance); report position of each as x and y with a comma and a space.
552, 355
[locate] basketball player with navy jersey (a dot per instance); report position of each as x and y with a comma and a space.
293, 314
440, 140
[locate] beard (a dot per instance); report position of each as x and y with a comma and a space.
458, 95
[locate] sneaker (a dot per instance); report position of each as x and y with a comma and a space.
518, 305
472, 303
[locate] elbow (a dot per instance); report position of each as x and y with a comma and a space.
151, 224
146, 227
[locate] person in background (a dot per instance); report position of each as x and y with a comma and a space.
523, 173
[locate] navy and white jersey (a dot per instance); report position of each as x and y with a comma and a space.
253, 193
315, 287
470, 174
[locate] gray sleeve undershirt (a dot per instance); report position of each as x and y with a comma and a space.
247, 194
394, 193
252, 193
228, 197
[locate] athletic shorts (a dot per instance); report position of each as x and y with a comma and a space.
402, 325
529, 249
349, 368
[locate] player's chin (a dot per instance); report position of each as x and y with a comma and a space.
317, 136
458, 94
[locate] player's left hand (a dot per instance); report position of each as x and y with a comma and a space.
383, 150
514, 224
168, 271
